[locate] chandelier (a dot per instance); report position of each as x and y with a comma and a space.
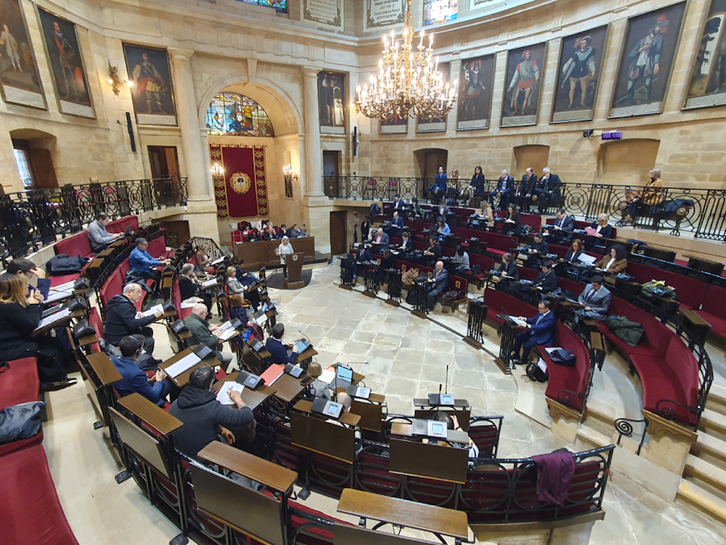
407, 82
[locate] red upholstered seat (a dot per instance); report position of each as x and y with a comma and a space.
19, 382
501, 303
31, 511
75, 245
533, 220
566, 384
119, 225
713, 309
60, 280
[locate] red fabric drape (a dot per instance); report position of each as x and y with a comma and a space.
241, 192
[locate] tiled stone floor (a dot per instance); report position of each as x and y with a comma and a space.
405, 357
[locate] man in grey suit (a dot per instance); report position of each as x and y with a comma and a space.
437, 284
595, 299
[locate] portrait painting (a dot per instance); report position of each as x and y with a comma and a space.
708, 75
523, 85
435, 124
152, 91
394, 125
331, 102
646, 61
18, 71
578, 75
66, 64
475, 93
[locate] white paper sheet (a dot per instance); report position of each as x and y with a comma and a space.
68, 286
54, 296
209, 283
327, 376
53, 318
519, 322
587, 259
226, 331
153, 310
223, 394
552, 349
183, 365
217, 261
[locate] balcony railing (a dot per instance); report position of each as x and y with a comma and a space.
700, 211
34, 218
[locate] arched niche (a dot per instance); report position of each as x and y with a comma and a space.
428, 160
38, 150
536, 156
626, 162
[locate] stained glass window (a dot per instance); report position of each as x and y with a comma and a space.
279, 5
440, 11
231, 114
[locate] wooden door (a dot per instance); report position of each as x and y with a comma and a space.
338, 233
41, 163
434, 160
331, 163
164, 162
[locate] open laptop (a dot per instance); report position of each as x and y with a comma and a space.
343, 376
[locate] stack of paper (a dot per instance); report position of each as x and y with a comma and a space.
227, 387
182, 366
68, 286
55, 295
226, 331
274, 372
53, 318
217, 261
153, 310
209, 283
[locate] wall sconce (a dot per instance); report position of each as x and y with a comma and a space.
115, 81
290, 175
217, 170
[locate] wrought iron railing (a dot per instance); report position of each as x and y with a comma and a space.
704, 215
34, 218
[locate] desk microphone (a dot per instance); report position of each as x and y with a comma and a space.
446, 391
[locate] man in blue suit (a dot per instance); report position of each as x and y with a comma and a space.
505, 186
540, 331
277, 350
396, 225
134, 379
438, 190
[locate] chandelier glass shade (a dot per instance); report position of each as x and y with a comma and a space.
408, 82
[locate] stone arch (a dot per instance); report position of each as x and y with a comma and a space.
281, 109
626, 162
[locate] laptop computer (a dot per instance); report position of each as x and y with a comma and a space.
343, 376
249, 380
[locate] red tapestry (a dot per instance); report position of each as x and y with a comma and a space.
241, 191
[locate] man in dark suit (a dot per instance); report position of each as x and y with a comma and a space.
438, 190
539, 245
361, 256
396, 225
380, 239
563, 222
526, 189
509, 267
546, 281
277, 350
433, 252
549, 190
406, 245
365, 228
540, 331
595, 299
505, 186
437, 284
398, 203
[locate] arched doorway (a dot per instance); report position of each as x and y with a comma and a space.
34, 151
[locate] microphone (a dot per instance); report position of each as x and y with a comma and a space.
446, 391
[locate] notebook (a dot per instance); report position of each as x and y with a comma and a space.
223, 394
274, 372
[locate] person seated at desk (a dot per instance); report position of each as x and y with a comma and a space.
595, 300
205, 418
189, 286
442, 210
398, 203
442, 228
122, 319
202, 260
433, 252
282, 232
269, 233
97, 234
563, 222
575, 251
601, 227
19, 317
317, 388
511, 220
361, 255
36, 280
437, 284
540, 331
296, 232
396, 225
380, 239
540, 246
452, 423
141, 261
406, 246
205, 335
486, 212
416, 208
546, 280
277, 350
508, 267
615, 261
461, 258
134, 379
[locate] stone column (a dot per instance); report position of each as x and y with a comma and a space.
313, 168
199, 180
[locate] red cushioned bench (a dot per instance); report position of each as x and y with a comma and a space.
120, 225
501, 303
31, 511
77, 245
690, 291
19, 383
176, 299
568, 385
713, 309
667, 369
115, 283
496, 243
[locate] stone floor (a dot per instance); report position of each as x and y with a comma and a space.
403, 357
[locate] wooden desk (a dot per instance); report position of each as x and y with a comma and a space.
183, 379
288, 387
53, 325
411, 514
151, 414
262, 253
103, 367
698, 326
251, 398
373, 398
346, 418
306, 354
272, 475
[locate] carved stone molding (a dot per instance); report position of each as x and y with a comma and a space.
559, 410
659, 426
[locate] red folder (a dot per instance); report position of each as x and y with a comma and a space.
273, 372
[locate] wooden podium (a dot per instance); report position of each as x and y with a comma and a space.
294, 264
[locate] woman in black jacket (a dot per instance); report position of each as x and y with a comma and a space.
477, 181
19, 317
575, 251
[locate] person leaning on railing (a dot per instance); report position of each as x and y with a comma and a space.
651, 195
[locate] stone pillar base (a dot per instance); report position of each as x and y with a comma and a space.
565, 420
669, 444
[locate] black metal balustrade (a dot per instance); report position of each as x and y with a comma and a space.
34, 218
704, 215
